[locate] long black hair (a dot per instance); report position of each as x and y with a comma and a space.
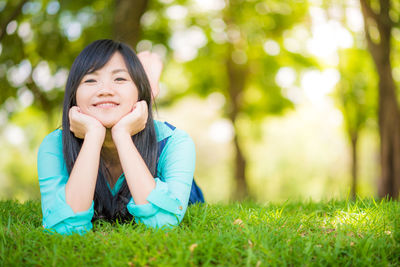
92, 58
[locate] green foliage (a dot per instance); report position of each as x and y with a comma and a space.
256, 22
356, 92
41, 41
239, 30
361, 233
50, 41
43, 37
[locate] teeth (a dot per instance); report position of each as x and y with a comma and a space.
106, 105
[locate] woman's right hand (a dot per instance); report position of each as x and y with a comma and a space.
82, 124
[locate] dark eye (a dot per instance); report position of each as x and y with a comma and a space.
90, 81
120, 79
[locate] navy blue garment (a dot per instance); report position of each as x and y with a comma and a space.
196, 195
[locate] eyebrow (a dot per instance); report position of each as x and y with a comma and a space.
113, 72
119, 70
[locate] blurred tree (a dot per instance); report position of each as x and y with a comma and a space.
379, 19
356, 94
234, 48
126, 25
39, 40
244, 77
12, 13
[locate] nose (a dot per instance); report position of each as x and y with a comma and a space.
105, 88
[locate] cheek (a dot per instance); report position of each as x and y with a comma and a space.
79, 97
82, 100
132, 97
134, 91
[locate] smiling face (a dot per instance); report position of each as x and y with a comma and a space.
109, 93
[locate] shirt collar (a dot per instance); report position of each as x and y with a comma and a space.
162, 130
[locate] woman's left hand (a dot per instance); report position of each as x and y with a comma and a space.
133, 122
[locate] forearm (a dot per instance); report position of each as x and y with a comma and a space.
79, 191
138, 177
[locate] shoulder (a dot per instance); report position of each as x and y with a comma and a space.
180, 136
165, 130
178, 153
178, 145
52, 142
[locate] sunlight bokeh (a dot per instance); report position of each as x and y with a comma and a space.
299, 152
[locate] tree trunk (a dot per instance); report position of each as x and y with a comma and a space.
236, 83
126, 27
237, 74
354, 163
389, 116
241, 190
389, 128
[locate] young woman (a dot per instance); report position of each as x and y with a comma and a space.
111, 160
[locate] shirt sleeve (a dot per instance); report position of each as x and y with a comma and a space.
169, 199
58, 216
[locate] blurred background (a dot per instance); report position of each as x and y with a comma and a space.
285, 99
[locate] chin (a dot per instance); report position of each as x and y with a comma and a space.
108, 123
108, 120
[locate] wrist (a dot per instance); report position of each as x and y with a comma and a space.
119, 135
98, 135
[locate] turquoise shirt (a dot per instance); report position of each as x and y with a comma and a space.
167, 202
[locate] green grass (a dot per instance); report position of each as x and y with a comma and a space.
334, 233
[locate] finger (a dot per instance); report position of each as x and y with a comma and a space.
73, 110
142, 107
137, 111
144, 114
138, 106
71, 113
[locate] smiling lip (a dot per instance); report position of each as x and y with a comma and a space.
105, 104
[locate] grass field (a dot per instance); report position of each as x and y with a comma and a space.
334, 233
